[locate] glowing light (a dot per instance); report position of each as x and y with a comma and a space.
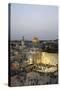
30, 61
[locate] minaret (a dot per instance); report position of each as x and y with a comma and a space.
22, 42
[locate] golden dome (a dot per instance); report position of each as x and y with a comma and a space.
35, 40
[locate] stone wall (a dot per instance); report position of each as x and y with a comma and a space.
49, 58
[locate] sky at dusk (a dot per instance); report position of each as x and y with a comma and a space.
33, 21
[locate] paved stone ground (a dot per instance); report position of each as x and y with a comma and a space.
33, 78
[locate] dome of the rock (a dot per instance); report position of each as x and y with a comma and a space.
35, 40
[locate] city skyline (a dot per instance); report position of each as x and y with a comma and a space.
34, 21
